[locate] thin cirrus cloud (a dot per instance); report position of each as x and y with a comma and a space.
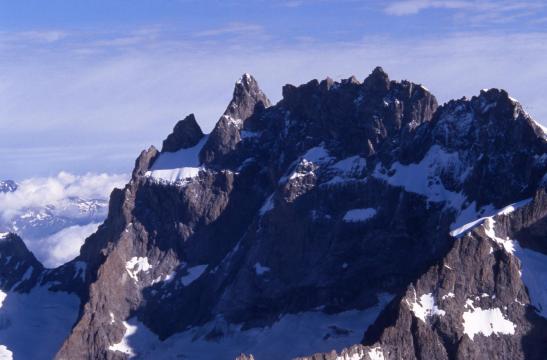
499, 10
234, 28
412, 7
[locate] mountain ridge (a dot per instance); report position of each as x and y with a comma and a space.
337, 194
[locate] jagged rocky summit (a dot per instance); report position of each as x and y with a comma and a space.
351, 220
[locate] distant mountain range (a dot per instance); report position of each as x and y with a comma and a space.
38, 223
351, 220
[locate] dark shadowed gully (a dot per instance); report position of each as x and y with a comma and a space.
354, 220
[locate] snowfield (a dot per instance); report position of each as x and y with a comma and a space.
34, 325
301, 334
174, 167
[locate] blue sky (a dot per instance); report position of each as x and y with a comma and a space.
86, 85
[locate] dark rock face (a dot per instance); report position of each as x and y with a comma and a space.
144, 161
475, 280
186, 134
337, 194
7, 186
19, 269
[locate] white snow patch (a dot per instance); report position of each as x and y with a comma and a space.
424, 177
193, 274
376, 353
3, 235
424, 307
177, 166
136, 265
5, 354
123, 346
316, 154
448, 296
358, 215
260, 270
465, 222
3, 296
508, 245
312, 159
485, 321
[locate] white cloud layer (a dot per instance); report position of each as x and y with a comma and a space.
62, 246
57, 191
40, 208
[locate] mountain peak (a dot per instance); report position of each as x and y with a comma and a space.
377, 81
246, 80
19, 268
186, 134
247, 100
246, 96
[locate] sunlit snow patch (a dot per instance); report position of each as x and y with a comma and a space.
136, 265
174, 167
485, 321
123, 346
508, 244
308, 163
376, 353
5, 354
424, 306
465, 222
